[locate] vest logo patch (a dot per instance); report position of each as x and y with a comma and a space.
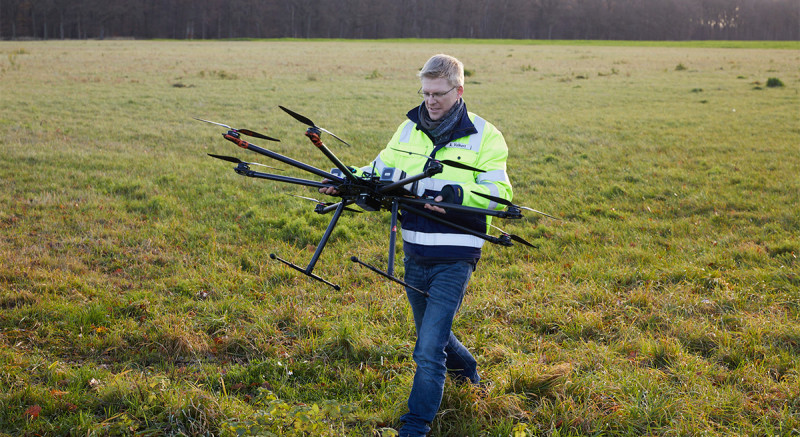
458, 145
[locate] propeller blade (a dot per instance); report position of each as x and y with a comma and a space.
462, 166
495, 199
301, 118
227, 158
247, 132
307, 121
250, 133
214, 122
347, 208
239, 161
505, 202
334, 135
312, 199
449, 162
519, 239
516, 238
411, 153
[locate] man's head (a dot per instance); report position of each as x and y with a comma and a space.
442, 80
444, 67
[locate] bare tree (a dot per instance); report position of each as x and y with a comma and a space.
521, 19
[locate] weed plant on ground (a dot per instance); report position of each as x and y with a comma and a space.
137, 295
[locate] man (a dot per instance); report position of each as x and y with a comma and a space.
438, 258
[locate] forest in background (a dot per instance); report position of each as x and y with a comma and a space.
777, 20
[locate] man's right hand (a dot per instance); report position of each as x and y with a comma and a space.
331, 191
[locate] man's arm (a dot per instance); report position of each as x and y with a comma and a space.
493, 181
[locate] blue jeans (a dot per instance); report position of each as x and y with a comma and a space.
437, 350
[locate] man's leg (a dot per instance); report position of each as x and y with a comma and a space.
433, 318
460, 363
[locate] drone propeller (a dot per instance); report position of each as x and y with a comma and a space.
449, 162
239, 161
307, 121
505, 202
516, 238
325, 203
247, 132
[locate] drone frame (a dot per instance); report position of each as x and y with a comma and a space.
370, 192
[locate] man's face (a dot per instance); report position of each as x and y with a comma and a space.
439, 96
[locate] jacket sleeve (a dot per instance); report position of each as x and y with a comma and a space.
386, 158
494, 180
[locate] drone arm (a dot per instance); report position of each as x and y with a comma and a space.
334, 206
286, 160
506, 214
313, 134
280, 178
444, 221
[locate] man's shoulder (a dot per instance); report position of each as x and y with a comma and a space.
475, 118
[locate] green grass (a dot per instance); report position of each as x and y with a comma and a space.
138, 296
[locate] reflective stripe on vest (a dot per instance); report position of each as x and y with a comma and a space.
493, 191
488, 179
377, 164
476, 139
431, 239
433, 185
405, 136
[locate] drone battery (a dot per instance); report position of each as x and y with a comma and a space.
337, 172
391, 174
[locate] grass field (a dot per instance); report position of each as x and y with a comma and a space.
137, 295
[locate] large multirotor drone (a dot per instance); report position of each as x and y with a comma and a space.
391, 190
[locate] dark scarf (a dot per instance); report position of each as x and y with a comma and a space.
440, 129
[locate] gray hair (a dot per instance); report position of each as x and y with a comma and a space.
444, 66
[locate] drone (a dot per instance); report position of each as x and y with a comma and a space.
389, 190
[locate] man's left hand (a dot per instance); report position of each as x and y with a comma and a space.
435, 208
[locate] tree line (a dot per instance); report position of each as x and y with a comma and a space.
357, 19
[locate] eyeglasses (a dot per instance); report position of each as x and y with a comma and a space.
434, 96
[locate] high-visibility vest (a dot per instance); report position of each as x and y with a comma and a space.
485, 150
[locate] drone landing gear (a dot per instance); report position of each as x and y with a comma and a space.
307, 271
388, 276
389, 273
304, 271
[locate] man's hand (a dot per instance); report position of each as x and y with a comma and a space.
449, 194
331, 191
434, 207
